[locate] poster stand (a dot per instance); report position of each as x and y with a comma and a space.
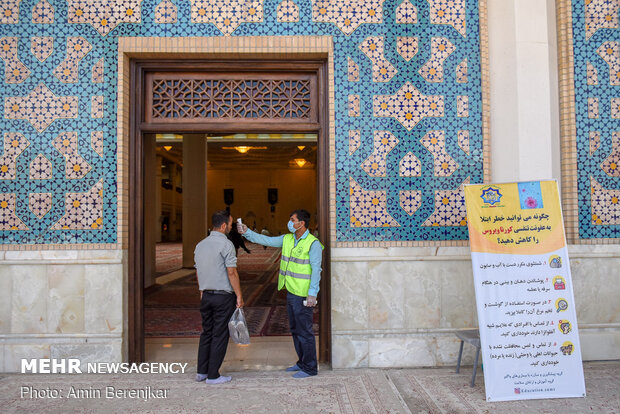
524, 292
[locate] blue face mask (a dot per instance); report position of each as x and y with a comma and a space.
291, 227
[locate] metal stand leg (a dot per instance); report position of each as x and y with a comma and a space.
473, 376
458, 362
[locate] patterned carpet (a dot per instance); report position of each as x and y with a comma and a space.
169, 257
171, 310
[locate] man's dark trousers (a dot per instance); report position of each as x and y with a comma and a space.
216, 311
300, 322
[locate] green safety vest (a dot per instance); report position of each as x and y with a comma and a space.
295, 269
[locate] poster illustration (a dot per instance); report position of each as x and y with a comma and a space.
524, 292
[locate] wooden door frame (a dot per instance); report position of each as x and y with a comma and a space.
137, 128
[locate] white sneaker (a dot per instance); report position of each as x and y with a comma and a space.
220, 380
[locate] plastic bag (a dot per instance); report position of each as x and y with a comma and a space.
238, 328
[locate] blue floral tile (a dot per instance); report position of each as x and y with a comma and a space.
406, 71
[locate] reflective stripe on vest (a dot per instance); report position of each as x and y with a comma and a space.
295, 260
295, 268
296, 275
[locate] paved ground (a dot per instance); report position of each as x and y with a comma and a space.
432, 390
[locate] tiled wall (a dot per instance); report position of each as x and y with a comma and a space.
590, 72
408, 104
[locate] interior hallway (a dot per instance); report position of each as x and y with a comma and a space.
172, 317
171, 306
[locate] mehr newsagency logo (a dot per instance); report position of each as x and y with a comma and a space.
491, 197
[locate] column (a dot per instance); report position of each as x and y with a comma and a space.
172, 230
158, 161
194, 194
524, 91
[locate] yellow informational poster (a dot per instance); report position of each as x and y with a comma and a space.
524, 293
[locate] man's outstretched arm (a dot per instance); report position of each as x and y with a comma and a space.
261, 238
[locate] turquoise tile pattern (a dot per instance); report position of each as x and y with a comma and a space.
408, 108
596, 47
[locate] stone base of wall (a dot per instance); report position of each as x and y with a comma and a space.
86, 349
399, 307
435, 349
61, 304
391, 307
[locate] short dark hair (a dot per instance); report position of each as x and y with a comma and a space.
302, 215
220, 217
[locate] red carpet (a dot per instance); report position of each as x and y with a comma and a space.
172, 310
169, 257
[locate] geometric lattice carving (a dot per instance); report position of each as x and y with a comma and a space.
182, 99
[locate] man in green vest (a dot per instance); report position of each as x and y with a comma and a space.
300, 273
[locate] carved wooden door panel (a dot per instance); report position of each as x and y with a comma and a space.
251, 99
